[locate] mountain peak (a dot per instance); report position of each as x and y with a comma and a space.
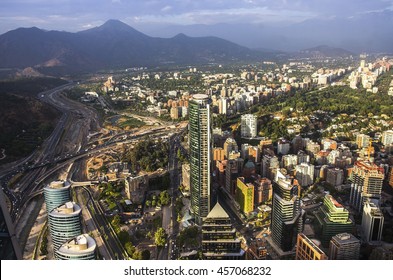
180, 36
113, 25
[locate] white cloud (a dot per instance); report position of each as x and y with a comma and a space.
166, 9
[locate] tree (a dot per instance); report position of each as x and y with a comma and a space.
160, 237
116, 223
137, 255
145, 255
130, 249
148, 203
124, 237
164, 198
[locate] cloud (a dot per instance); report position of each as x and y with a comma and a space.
166, 9
51, 14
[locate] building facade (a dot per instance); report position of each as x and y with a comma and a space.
307, 249
249, 126
287, 216
332, 218
344, 246
367, 179
64, 223
245, 195
372, 221
200, 155
81, 247
219, 241
57, 193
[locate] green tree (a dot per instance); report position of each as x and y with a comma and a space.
145, 255
124, 237
160, 237
164, 198
116, 223
130, 249
137, 255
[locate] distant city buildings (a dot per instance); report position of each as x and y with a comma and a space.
387, 137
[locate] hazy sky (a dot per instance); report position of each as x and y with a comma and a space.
75, 15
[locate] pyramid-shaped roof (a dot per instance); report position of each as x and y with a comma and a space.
217, 212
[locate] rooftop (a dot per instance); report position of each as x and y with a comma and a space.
79, 244
217, 212
68, 208
200, 96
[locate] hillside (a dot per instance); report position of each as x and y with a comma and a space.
113, 45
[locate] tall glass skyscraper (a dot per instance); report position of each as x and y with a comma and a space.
200, 155
287, 216
64, 223
56, 193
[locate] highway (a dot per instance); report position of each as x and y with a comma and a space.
68, 145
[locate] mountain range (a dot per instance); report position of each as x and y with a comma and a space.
113, 45
363, 32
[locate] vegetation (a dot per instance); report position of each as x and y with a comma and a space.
160, 183
148, 155
160, 237
158, 200
131, 123
18, 99
44, 243
188, 237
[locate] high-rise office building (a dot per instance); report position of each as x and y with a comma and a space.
245, 195
367, 179
81, 247
344, 246
249, 126
372, 221
200, 155
57, 193
231, 174
332, 219
308, 249
287, 216
219, 241
64, 223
